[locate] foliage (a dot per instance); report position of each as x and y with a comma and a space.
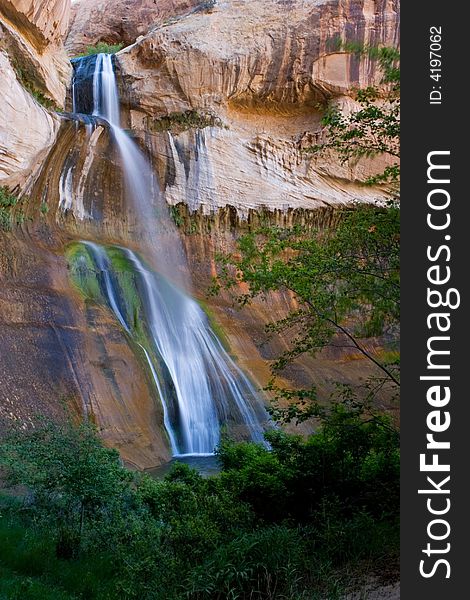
30, 569
27, 81
346, 282
8, 217
374, 128
178, 122
176, 216
273, 524
101, 48
43, 100
74, 479
351, 464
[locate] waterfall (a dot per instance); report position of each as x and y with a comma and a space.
200, 386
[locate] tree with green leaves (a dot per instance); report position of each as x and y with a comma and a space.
346, 280
69, 474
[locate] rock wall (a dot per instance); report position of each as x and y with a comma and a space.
224, 102
255, 75
119, 21
34, 32
275, 54
35, 73
60, 352
27, 130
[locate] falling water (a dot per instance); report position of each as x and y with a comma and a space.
201, 387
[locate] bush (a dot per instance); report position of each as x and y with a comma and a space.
279, 523
352, 463
262, 562
102, 48
77, 483
178, 122
208, 5
8, 201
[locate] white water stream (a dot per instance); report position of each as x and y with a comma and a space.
209, 388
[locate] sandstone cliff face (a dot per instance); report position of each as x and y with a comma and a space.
57, 350
32, 61
256, 72
27, 130
119, 21
275, 53
223, 102
34, 32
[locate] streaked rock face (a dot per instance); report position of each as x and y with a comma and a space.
33, 31
260, 69
32, 58
27, 130
274, 55
119, 21
43, 22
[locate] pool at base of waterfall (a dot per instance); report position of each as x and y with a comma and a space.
205, 465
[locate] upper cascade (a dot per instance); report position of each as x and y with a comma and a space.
94, 88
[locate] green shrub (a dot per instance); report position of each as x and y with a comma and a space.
178, 122
8, 201
352, 463
290, 522
208, 5
102, 48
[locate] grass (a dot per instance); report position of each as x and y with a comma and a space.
30, 569
101, 48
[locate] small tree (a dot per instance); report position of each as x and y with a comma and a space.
346, 282
73, 478
208, 5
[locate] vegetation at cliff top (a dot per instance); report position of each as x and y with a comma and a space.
302, 521
101, 48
